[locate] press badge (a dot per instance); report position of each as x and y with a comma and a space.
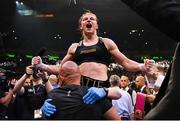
37, 114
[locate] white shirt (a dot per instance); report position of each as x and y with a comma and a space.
124, 104
142, 88
133, 95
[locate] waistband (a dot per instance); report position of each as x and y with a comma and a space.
90, 82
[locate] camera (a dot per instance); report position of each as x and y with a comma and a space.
35, 72
5, 79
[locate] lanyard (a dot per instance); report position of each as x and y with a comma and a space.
35, 91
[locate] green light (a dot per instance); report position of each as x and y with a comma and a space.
28, 56
155, 57
144, 57
53, 57
11, 55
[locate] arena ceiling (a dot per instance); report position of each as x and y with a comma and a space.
29, 25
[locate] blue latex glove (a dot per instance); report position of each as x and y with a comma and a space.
93, 95
48, 109
54, 86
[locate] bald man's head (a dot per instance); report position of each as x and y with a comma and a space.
69, 72
140, 81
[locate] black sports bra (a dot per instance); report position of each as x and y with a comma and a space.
94, 53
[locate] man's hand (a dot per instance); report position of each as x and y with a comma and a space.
93, 95
47, 108
29, 70
147, 65
37, 63
36, 60
7, 98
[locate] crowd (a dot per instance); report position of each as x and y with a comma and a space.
26, 94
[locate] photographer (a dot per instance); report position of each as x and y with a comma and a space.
33, 94
5, 97
4, 101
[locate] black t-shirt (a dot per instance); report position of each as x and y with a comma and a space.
19, 109
34, 97
69, 104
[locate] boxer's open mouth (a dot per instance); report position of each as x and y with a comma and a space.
88, 25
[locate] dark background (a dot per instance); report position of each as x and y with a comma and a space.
22, 34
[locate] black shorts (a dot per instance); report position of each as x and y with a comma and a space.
89, 82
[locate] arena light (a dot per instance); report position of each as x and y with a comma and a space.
28, 56
155, 58
11, 55
47, 15
23, 10
144, 57
53, 57
17, 2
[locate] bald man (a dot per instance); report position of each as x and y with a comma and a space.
140, 84
68, 98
